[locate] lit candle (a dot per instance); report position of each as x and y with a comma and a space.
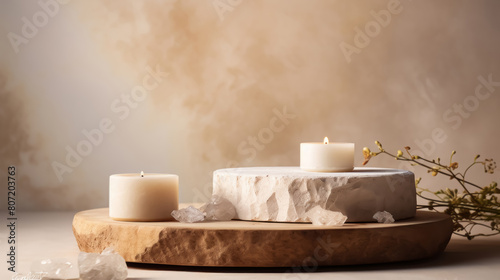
327, 157
143, 197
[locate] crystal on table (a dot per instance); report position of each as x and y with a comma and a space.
55, 269
188, 215
322, 217
383, 217
108, 265
219, 209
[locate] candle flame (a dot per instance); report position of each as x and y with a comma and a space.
325, 140
142, 173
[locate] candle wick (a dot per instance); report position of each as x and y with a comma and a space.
142, 173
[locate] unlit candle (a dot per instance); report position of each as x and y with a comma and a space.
143, 197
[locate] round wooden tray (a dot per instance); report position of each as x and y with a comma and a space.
263, 244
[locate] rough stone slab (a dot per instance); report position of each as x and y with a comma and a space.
285, 194
259, 244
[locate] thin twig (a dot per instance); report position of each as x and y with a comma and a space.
467, 209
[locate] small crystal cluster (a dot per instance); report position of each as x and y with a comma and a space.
105, 266
383, 217
108, 265
218, 209
322, 217
55, 269
188, 215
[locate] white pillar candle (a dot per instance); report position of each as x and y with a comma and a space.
327, 157
143, 197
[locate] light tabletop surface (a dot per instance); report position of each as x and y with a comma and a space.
45, 235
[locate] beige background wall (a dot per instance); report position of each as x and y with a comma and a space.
188, 87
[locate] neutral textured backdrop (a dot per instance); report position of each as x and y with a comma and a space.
236, 83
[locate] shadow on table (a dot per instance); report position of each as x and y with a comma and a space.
457, 253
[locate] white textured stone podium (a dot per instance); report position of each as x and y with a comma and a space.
285, 194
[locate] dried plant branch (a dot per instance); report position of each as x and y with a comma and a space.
479, 207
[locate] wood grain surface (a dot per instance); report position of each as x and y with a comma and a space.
263, 244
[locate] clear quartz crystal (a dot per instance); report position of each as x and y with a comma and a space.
383, 217
219, 209
322, 217
108, 265
188, 215
55, 269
